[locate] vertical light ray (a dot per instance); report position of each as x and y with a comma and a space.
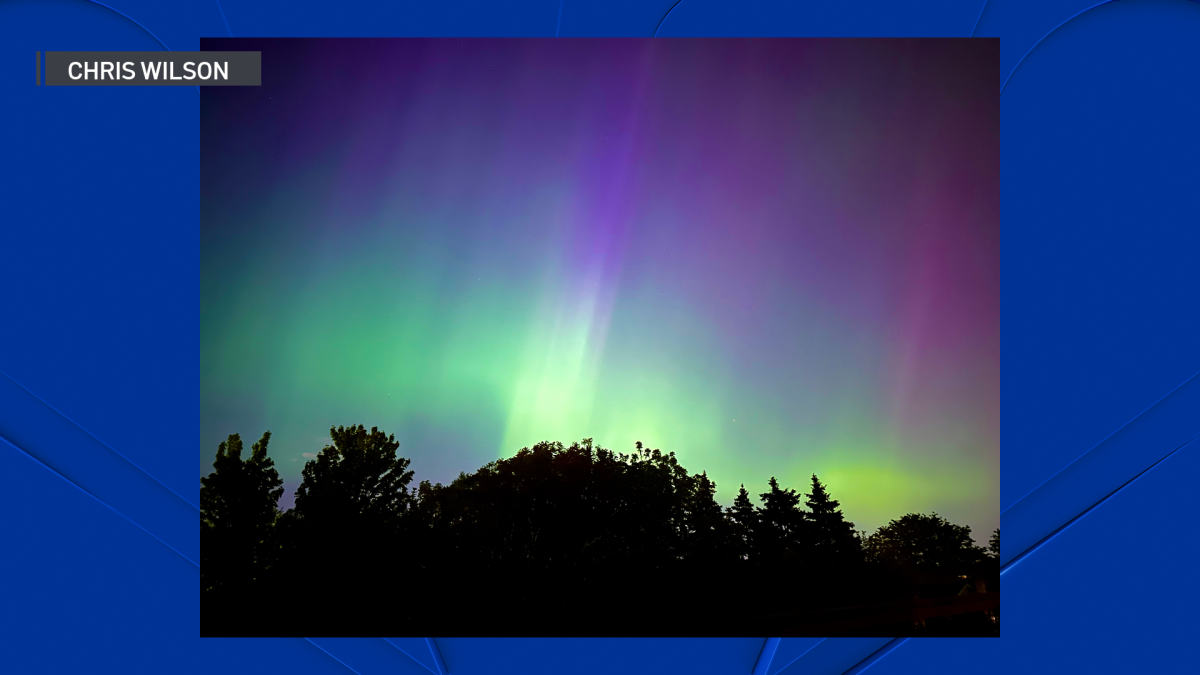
771, 257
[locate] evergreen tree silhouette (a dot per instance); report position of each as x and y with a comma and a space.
744, 521
707, 534
994, 544
834, 539
556, 539
783, 533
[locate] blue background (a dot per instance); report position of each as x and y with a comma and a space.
99, 300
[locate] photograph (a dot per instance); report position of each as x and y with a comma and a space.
525, 337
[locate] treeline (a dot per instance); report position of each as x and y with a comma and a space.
555, 540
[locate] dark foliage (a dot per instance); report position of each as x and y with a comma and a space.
555, 540
238, 508
925, 547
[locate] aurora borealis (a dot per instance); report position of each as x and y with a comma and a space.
772, 257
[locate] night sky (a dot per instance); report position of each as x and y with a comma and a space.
772, 257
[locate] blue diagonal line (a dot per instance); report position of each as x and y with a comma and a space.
976, 27
812, 647
146, 29
81, 489
559, 23
437, 656
408, 655
332, 656
222, 11
876, 656
1102, 442
1010, 73
765, 655
660, 21
97, 440
134, 22
1045, 540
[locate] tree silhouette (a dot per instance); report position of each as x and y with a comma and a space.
834, 539
707, 531
572, 539
925, 547
994, 544
348, 509
783, 533
358, 477
553, 515
237, 508
743, 522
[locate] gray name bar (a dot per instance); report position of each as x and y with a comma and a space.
153, 69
